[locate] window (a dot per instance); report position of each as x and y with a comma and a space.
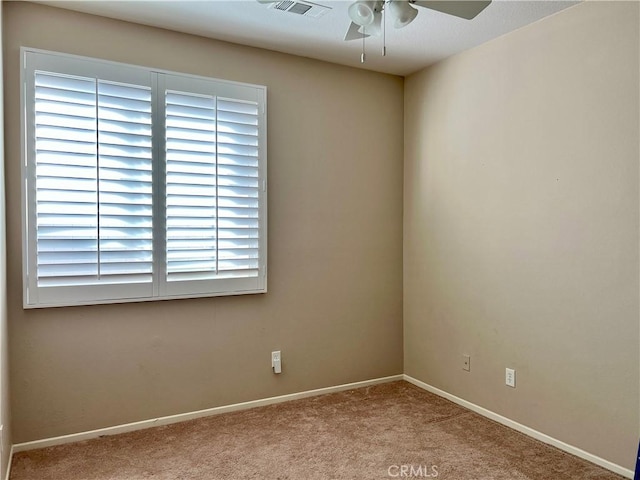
139, 184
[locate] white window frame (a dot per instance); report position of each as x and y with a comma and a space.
37, 296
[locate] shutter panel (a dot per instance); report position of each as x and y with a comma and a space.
238, 188
125, 187
93, 181
212, 187
66, 179
190, 186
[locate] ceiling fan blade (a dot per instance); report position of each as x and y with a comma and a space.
463, 9
353, 34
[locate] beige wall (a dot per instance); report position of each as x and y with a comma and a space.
521, 226
334, 305
5, 418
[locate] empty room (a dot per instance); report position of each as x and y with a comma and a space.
319, 240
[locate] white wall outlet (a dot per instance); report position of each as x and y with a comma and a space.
510, 377
466, 363
276, 362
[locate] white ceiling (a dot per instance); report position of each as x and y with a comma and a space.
432, 36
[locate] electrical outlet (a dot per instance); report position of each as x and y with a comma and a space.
276, 361
510, 377
466, 363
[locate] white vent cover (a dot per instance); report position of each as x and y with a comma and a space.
307, 9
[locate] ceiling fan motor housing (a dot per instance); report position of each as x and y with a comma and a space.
364, 12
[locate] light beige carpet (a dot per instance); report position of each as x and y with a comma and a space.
394, 430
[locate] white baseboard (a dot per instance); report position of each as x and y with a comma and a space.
524, 429
155, 422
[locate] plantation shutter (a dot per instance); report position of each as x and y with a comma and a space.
93, 181
215, 218
125, 183
93, 188
191, 186
238, 187
66, 179
212, 222
140, 185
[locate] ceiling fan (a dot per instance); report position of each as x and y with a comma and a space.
366, 16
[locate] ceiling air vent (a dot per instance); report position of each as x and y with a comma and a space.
307, 9
283, 5
300, 8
